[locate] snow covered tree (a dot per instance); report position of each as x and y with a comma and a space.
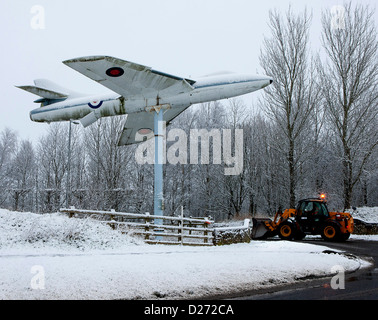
290, 100
52, 166
236, 188
8, 145
349, 78
23, 175
107, 163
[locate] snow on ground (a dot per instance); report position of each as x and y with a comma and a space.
53, 257
367, 214
365, 237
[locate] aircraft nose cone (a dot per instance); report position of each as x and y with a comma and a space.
32, 115
267, 81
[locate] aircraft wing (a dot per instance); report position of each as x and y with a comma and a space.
140, 126
129, 79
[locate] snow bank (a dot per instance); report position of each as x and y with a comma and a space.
20, 231
83, 259
367, 214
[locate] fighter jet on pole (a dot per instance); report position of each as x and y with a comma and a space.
139, 91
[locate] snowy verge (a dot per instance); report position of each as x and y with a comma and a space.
366, 214
20, 231
99, 263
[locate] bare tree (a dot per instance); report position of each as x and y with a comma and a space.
235, 187
178, 177
52, 165
107, 163
292, 97
8, 143
8, 146
22, 173
349, 86
206, 180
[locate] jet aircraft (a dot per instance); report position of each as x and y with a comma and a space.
138, 91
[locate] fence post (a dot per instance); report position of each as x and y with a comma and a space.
205, 233
112, 225
190, 225
147, 227
71, 214
181, 229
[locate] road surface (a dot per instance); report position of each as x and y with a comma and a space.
361, 285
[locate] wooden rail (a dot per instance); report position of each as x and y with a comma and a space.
175, 230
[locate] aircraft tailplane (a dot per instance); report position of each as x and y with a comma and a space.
49, 92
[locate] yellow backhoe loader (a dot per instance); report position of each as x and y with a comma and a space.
310, 217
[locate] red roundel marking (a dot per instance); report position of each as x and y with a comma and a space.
115, 72
95, 104
144, 131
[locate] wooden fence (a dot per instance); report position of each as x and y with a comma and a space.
156, 230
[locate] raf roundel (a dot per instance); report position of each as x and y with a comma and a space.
115, 72
95, 104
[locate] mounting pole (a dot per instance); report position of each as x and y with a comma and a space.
68, 185
158, 166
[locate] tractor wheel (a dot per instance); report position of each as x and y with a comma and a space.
286, 231
344, 236
300, 235
331, 232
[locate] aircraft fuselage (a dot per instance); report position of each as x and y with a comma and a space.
205, 89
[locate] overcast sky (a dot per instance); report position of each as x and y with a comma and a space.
184, 38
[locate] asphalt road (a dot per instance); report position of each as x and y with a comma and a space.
360, 285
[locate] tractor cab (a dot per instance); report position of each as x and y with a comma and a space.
311, 214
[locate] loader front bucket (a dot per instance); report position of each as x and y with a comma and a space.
259, 229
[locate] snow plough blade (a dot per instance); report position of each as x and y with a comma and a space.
260, 229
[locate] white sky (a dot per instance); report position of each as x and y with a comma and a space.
184, 38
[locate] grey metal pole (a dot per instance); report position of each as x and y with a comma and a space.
68, 186
158, 167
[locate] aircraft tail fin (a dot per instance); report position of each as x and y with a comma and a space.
49, 85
